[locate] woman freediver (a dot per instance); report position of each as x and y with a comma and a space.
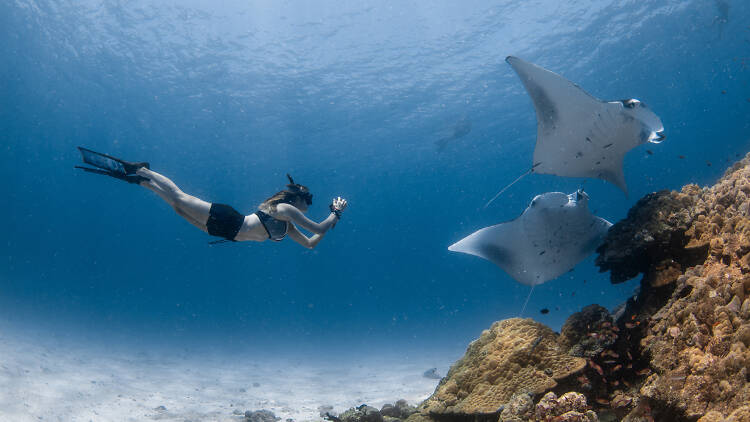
276, 217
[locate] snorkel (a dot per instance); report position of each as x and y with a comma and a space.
299, 190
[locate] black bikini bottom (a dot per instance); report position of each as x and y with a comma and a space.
224, 221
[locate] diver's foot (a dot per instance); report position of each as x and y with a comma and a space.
131, 168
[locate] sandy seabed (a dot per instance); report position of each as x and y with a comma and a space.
44, 380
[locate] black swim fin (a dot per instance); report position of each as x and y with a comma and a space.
130, 178
110, 163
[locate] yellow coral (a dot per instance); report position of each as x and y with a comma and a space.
513, 356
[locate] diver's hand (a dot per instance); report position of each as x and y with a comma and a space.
336, 207
339, 204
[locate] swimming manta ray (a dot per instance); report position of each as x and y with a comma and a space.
579, 135
554, 234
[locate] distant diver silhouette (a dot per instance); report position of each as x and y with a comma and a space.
458, 131
277, 217
722, 7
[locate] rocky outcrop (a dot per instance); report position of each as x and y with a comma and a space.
397, 412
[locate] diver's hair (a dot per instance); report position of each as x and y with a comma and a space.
285, 196
288, 196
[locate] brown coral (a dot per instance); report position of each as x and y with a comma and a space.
513, 356
570, 407
699, 346
694, 251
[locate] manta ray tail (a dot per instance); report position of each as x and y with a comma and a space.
527, 300
506, 188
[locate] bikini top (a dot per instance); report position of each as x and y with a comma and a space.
276, 229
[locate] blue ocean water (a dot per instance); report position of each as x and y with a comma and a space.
350, 98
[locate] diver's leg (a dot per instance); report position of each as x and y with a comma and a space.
168, 199
193, 209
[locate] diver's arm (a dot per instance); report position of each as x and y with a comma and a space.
308, 242
292, 214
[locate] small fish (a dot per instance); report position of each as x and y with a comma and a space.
708, 163
596, 367
681, 157
644, 371
649, 152
630, 357
432, 373
607, 146
609, 353
723, 91
617, 368
629, 325
544, 311
627, 384
603, 402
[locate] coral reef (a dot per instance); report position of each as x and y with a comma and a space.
589, 332
693, 248
513, 356
401, 410
614, 363
652, 239
570, 407
698, 343
679, 350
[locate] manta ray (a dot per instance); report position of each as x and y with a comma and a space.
554, 234
579, 135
